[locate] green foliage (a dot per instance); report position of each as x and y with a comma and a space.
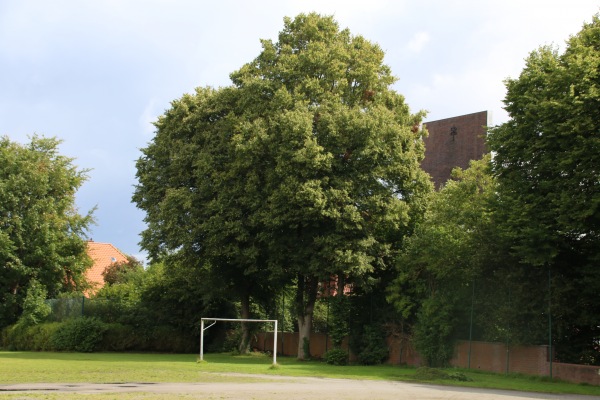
336, 356
305, 348
434, 332
306, 168
41, 232
433, 374
545, 162
370, 346
22, 336
35, 309
123, 271
339, 315
455, 245
120, 337
83, 334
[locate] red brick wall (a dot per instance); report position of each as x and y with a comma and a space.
485, 356
447, 148
287, 343
497, 357
576, 373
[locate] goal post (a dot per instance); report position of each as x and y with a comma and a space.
202, 329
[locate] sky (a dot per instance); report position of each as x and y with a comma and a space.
97, 73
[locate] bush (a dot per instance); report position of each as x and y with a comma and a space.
434, 332
336, 356
42, 336
168, 339
119, 337
35, 309
23, 336
371, 347
80, 334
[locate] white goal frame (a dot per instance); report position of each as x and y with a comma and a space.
202, 329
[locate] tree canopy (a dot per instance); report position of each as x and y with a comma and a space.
546, 161
307, 167
449, 251
41, 232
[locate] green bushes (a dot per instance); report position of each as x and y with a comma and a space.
79, 334
369, 345
22, 336
336, 356
86, 334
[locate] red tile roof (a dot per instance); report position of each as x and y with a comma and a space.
102, 255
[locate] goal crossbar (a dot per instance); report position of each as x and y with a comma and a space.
202, 329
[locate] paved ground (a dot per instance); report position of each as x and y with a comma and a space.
287, 388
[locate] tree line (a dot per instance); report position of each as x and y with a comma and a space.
302, 180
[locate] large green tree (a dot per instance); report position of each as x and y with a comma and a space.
201, 190
546, 163
306, 168
453, 249
41, 232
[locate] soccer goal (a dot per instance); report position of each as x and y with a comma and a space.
214, 321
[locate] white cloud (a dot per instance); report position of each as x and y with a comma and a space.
418, 41
148, 117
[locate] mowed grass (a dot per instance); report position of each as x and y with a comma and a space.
26, 367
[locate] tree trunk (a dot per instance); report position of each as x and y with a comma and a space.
306, 296
244, 346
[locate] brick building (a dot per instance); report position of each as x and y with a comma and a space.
453, 142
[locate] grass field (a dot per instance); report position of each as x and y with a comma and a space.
30, 367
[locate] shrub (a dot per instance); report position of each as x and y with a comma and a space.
434, 332
42, 336
119, 337
35, 309
371, 347
80, 334
336, 356
23, 336
168, 339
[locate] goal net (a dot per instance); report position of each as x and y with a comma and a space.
214, 321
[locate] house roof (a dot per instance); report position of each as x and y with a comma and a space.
102, 255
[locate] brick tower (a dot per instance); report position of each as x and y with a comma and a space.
453, 142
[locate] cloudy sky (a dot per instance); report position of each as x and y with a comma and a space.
96, 73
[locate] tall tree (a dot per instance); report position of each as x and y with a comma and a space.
449, 252
307, 167
201, 193
41, 232
343, 151
546, 162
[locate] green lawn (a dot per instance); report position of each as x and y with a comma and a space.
24, 367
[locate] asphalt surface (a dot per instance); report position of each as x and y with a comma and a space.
291, 388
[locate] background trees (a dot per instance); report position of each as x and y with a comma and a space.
450, 251
41, 231
546, 164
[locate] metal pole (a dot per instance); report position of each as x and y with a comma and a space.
201, 340
550, 317
471, 325
275, 344
283, 325
327, 331
508, 335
